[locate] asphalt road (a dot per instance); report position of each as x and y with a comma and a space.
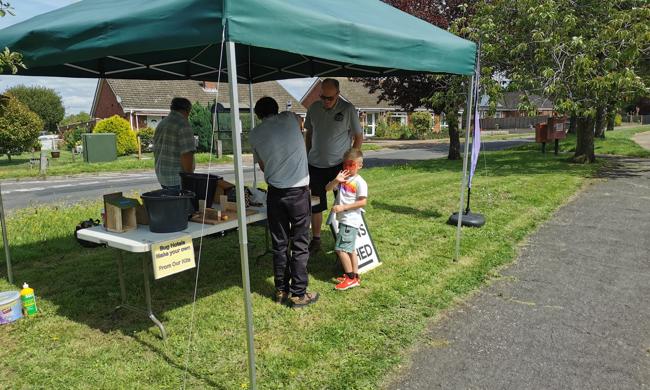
73, 189
572, 313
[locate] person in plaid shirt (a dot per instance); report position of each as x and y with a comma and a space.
173, 145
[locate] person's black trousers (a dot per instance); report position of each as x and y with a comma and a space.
289, 216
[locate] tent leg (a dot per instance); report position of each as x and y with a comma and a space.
241, 206
252, 110
5, 241
470, 95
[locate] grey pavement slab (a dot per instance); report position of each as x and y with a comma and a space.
573, 312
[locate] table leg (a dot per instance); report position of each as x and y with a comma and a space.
120, 271
267, 247
147, 294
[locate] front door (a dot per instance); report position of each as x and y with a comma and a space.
371, 124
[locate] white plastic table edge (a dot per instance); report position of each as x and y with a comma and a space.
141, 239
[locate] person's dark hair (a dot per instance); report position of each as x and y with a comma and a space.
180, 104
333, 82
266, 106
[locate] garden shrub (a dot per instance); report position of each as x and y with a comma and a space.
127, 142
618, 120
72, 137
421, 124
146, 138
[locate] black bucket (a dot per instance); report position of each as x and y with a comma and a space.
168, 210
197, 183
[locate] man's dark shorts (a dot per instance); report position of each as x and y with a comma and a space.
318, 179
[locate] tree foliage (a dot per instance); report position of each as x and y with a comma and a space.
19, 127
72, 137
9, 60
127, 141
72, 119
201, 121
439, 93
583, 54
146, 138
45, 102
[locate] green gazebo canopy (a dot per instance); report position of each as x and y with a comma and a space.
276, 39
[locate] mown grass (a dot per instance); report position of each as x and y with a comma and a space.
618, 142
366, 147
348, 340
20, 166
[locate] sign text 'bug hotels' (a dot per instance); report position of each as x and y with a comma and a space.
173, 256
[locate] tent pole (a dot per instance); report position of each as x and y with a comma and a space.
241, 206
470, 98
5, 241
252, 110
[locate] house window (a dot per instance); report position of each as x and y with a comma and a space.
399, 117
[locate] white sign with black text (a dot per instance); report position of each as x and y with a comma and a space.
366, 251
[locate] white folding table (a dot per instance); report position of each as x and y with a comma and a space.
140, 241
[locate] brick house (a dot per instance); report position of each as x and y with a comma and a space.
508, 105
370, 110
144, 103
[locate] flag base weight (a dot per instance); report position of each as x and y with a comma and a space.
469, 219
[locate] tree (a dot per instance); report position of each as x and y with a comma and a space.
45, 102
8, 59
127, 141
439, 93
584, 54
201, 122
19, 127
72, 119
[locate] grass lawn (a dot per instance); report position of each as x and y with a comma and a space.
618, 142
19, 166
365, 147
349, 340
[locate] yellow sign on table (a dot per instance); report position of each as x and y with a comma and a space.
173, 256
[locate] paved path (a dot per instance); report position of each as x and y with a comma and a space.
26, 192
643, 139
572, 313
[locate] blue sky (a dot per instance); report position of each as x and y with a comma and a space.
78, 94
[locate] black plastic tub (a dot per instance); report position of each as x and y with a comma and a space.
168, 210
198, 183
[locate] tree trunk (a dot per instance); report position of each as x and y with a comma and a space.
611, 118
454, 137
573, 123
600, 122
9, 157
585, 141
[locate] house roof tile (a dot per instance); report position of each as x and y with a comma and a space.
157, 94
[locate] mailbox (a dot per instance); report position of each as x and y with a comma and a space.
553, 130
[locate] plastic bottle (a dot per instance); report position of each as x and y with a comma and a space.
28, 299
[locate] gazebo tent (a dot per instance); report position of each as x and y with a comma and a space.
261, 39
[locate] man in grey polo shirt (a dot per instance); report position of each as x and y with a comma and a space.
173, 145
332, 126
278, 146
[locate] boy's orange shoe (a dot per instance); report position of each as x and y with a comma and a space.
342, 278
347, 283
